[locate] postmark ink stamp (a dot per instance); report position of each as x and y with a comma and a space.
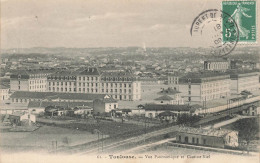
209, 26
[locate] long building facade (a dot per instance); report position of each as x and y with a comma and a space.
121, 85
30, 80
199, 88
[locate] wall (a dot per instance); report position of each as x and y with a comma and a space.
14, 85
210, 140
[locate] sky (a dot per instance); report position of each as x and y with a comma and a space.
100, 23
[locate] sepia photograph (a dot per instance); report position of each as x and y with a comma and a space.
129, 81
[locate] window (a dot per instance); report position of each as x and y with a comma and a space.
91, 78
84, 78
125, 85
197, 140
79, 78
189, 86
180, 138
114, 106
96, 84
61, 89
204, 141
129, 85
193, 140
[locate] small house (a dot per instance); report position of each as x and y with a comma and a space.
208, 137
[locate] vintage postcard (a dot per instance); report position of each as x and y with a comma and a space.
129, 81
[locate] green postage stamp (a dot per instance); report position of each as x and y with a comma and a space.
244, 14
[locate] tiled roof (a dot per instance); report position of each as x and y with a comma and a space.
163, 107
107, 100
56, 95
127, 73
43, 104
206, 132
164, 97
3, 87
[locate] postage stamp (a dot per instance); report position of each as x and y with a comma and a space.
244, 14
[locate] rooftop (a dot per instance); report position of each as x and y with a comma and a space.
206, 132
43, 104
56, 95
90, 71
164, 97
161, 107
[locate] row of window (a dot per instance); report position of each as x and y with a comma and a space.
88, 90
214, 84
61, 89
88, 78
115, 84
88, 84
37, 81
194, 140
225, 89
120, 91
62, 83
37, 87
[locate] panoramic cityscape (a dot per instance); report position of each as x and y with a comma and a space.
114, 96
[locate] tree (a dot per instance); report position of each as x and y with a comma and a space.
248, 128
187, 119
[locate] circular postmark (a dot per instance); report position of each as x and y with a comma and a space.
218, 29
